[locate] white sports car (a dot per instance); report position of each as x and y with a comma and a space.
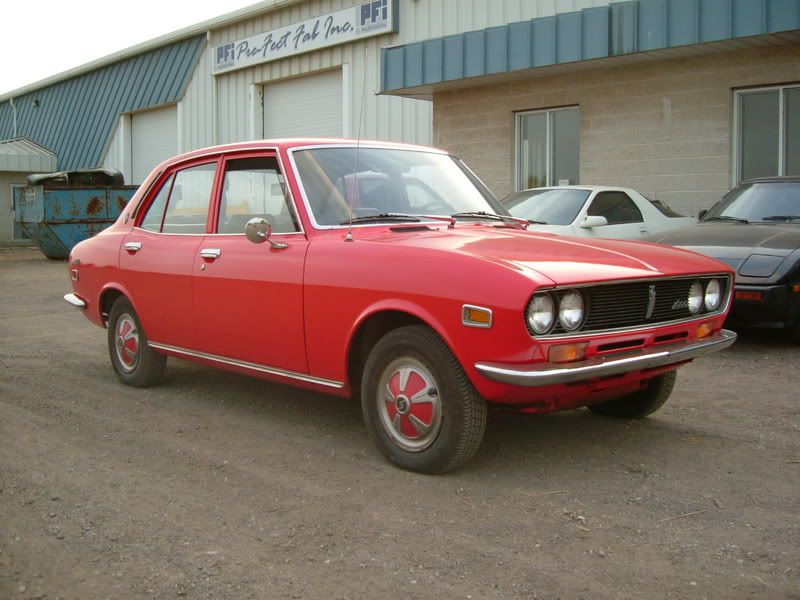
594, 211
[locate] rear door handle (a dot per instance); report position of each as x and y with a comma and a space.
133, 247
211, 253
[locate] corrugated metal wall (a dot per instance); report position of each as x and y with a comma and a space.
76, 118
384, 117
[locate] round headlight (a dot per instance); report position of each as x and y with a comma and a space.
695, 297
570, 310
713, 296
541, 313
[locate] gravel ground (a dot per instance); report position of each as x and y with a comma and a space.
218, 486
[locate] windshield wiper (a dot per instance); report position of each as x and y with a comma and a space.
782, 218
382, 217
480, 214
727, 218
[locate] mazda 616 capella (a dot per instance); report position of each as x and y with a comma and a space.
391, 273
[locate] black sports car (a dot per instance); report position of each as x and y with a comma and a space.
755, 228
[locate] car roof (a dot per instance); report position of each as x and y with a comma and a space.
773, 179
586, 188
299, 142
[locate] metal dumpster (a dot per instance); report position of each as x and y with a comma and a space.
58, 210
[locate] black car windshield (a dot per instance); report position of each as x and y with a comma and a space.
385, 184
552, 206
772, 202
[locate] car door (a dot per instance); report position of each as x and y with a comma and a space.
248, 298
157, 256
624, 218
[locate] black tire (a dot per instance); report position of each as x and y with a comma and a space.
134, 362
434, 429
642, 403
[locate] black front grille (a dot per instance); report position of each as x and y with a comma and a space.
622, 305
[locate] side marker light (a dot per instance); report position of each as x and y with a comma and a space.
476, 316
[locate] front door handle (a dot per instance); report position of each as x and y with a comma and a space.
133, 247
210, 253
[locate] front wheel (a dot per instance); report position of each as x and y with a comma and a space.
134, 362
642, 403
420, 407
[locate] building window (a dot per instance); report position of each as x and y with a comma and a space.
767, 132
547, 147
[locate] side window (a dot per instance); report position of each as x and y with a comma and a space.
155, 212
187, 207
616, 207
254, 187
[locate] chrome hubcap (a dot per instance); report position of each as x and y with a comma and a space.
409, 405
126, 342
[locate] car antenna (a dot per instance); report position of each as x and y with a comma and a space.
349, 236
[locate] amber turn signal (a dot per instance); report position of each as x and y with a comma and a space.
476, 316
567, 352
796, 288
705, 329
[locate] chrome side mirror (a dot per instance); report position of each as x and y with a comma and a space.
258, 230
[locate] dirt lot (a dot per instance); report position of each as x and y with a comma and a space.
220, 486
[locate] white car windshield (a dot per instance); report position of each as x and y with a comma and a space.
383, 184
549, 206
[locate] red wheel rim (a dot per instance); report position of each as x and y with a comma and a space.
409, 404
126, 342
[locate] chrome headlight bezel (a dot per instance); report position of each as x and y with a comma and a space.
714, 294
571, 310
543, 304
696, 298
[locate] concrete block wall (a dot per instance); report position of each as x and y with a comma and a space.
662, 127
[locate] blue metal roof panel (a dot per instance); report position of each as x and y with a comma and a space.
596, 29
77, 117
597, 32
543, 44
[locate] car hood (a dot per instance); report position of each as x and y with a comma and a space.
734, 240
553, 259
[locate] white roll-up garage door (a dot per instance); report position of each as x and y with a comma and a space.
154, 138
304, 106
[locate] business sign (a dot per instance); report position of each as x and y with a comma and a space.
361, 21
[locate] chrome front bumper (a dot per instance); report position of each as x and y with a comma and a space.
603, 366
74, 300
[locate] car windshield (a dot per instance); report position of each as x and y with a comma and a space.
388, 185
772, 202
551, 206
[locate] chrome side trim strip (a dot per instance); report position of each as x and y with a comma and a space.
248, 365
603, 366
75, 300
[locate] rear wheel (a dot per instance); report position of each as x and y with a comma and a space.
642, 403
419, 406
134, 362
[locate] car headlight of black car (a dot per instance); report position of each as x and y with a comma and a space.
760, 265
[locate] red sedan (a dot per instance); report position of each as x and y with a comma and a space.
390, 272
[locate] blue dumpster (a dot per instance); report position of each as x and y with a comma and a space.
58, 210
